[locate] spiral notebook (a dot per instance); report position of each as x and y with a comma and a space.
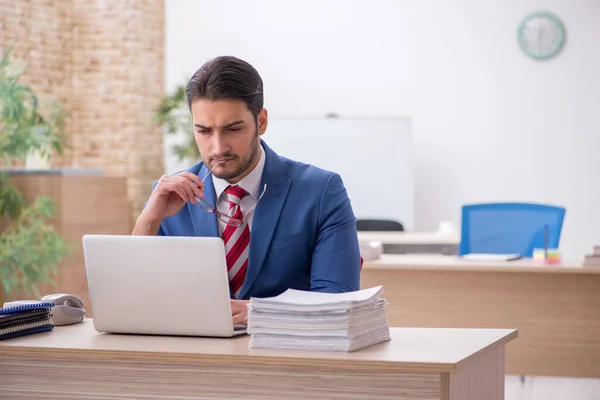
25, 319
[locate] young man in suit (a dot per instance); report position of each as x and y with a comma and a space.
285, 224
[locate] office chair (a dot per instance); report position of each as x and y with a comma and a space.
505, 228
378, 225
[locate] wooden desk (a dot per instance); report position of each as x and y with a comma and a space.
413, 242
556, 309
76, 362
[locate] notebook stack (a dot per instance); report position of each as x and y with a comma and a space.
302, 320
25, 319
592, 260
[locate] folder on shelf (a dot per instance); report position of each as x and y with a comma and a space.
491, 257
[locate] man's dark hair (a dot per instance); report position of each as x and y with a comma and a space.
227, 77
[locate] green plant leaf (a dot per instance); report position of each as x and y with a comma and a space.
173, 114
30, 249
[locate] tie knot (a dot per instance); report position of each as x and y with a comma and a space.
235, 194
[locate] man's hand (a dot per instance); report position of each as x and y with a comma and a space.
171, 193
169, 196
239, 311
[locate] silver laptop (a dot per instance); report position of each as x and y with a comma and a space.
159, 285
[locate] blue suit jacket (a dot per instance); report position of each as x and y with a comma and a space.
303, 232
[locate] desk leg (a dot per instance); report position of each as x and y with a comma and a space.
479, 377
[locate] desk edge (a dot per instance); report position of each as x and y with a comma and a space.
252, 359
501, 342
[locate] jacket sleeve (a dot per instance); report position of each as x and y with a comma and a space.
336, 262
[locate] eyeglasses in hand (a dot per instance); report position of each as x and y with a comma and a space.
224, 217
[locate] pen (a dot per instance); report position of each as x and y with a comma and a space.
546, 242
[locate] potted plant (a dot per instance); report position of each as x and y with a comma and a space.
174, 115
30, 248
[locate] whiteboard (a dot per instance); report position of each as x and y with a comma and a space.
372, 155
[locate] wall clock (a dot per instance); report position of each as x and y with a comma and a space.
541, 35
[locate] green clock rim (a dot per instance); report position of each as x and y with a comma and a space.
555, 19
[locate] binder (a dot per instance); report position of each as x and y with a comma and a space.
25, 319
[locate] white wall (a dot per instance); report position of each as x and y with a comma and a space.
490, 124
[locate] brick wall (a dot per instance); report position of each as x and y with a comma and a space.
40, 39
104, 59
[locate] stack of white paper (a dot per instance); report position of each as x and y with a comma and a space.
303, 320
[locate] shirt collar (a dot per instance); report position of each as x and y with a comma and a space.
250, 183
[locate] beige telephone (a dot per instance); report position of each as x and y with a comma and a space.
68, 308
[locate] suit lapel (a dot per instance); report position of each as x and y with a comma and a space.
205, 224
266, 216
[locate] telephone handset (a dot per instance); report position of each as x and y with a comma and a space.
68, 308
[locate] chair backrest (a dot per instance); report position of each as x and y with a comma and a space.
378, 225
503, 228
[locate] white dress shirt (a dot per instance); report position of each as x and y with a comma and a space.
250, 183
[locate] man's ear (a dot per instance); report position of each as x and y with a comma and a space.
263, 121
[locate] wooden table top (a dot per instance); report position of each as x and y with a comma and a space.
418, 349
435, 262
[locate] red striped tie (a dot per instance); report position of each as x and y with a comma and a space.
236, 240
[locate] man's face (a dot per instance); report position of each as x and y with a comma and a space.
227, 135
